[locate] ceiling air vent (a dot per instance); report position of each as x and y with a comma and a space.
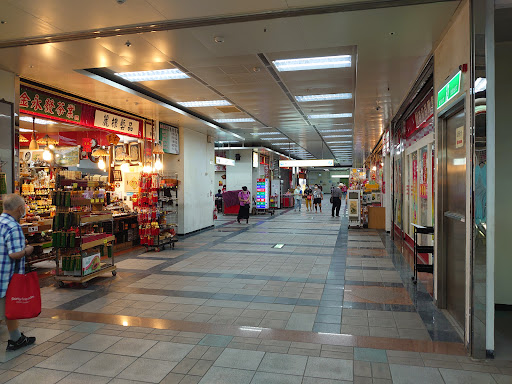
228, 109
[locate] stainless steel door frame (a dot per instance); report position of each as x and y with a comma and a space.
441, 175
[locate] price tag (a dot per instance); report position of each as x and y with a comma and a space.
75, 185
105, 241
32, 229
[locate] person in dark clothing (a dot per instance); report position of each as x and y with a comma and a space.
336, 200
218, 200
244, 197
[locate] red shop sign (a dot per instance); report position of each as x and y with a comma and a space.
87, 144
422, 116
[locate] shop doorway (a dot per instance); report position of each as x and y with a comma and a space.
452, 230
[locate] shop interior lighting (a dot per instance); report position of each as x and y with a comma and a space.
206, 103
239, 120
161, 74
339, 176
101, 164
47, 155
125, 167
158, 164
308, 63
480, 84
146, 169
37, 121
327, 96
330, 116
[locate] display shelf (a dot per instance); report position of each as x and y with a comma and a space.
95, 243
83, 279
95, 219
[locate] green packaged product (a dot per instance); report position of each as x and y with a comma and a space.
55, 242
64, 263
109, 251
72, 240
68, 199
63, 240
102, 250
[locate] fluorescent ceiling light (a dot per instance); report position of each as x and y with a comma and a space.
480, 84
224, 161
327, 96
239, 120
161, 74
331, 136
38, 121
339, 176
306, 163
228, 141
330, 116
308, 63
265, 133
206, 103
334, 130
274, 138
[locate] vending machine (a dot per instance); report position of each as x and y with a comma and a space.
262, 193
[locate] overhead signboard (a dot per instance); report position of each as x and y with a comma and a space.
170, 138
117, 123
449, 91
46, 104
306, 163
224, 161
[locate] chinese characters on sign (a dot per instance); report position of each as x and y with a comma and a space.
32, 100
121, 124
170, 138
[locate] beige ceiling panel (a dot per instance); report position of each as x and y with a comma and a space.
179, 9
20, 23
70, 16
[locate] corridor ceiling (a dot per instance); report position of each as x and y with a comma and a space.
226, 48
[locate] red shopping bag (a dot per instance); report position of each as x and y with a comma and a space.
23, 298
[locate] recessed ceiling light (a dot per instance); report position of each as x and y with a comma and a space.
327, 96
265, 133
332, 136
206, 103
161, 74
330, 116
339, 142
228, 141
240, 120
308, 63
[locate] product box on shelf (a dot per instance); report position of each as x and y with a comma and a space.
91, 264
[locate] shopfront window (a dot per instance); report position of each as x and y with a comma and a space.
423, 186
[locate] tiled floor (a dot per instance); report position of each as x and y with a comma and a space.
331, 306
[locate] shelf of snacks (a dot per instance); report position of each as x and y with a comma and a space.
83, 239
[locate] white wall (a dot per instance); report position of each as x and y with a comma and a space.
241, 174
196, 172
503, 257
7, 92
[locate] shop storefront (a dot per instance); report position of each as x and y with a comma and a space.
83, 171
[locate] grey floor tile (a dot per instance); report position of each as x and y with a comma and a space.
131, 347
147, 370
165, 350
316, 380
106, 365
416, 334
275, 378
39, 376
384, 332
67, 360
370, 354
455, 376
326, 368
285, 364
95, 343
87, 327
79, 378
239, 359
216, 340
301, 322
404, 374
217, 375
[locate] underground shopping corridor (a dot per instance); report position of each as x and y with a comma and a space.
230, 305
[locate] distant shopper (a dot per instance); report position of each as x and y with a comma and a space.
317, 198
297, 194
244, 197
12, 249
344, 191
218, 200
308, 195
336, 200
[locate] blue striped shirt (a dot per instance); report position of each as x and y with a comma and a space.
12, 240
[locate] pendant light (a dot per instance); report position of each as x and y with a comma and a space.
33, 143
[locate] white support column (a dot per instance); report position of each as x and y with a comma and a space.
8, 92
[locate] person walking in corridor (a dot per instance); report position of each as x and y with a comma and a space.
297, 194
317, 198
336, 200
308, 195
12, 256
244, 198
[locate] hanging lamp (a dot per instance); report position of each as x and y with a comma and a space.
33, 143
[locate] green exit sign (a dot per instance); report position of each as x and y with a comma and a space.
449, 91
